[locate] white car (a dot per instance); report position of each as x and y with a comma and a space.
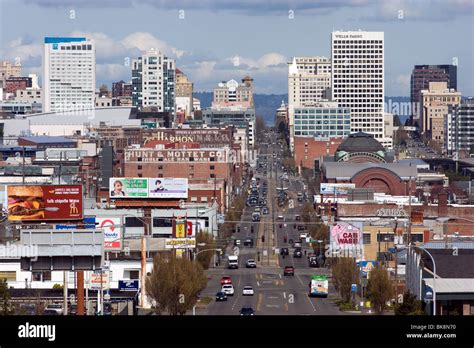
228, 289
247, 291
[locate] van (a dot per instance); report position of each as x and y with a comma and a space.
233, 262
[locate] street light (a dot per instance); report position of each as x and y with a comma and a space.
434, 273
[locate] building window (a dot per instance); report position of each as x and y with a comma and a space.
213, 175
160, 175
140, 167
366, 238
160, 167
212, 167
194, 199
204, 199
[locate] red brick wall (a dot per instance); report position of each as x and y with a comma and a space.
307, 149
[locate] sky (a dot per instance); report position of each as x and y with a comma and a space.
217, 40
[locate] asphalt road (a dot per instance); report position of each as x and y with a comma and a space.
275, 294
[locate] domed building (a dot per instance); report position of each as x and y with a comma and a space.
361, 148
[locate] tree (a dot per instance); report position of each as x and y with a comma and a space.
174, 284
205, 257
259, 127
379, 288
345, 274
5, 305
410, 306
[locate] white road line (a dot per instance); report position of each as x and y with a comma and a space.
297, 276
311, 302
258, 283
280, 275
284, 294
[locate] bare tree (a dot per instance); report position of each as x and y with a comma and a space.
205, 258
174, 284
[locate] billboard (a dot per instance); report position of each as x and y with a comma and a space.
346, 234
112, 232
335, 189
180, 243
148, 188
44, 202
99, 280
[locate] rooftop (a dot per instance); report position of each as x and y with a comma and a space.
347, 170
361, 142
46, 139
452, 285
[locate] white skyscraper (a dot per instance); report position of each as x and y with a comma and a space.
309, 81
358, 79
68, 74
153, 81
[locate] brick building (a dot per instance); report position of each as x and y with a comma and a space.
12, 84
309, 149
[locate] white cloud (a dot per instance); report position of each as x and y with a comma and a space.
146, 41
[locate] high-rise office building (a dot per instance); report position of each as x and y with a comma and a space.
357, 79
460, 128
68, 74
309, 81
153, 81
422, 75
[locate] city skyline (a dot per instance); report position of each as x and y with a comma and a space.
188, 29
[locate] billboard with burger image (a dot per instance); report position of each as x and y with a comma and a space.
44, 202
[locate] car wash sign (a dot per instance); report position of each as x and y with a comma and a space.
343, 233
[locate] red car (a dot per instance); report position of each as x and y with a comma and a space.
226, 280
289, 270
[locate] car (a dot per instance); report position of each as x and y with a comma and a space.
50, 312
280, 217
290, 241
226, 280
221, 296
284, 251
54, 307
247, 291
297, 253
228, 289
300, 228
251, 263
247, 311
298, 217
289, 270
265, 211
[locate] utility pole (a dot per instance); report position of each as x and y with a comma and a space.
65, 286
409, 214
23, 167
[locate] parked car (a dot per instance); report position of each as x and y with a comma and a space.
247, 291
54, 307
221, 296
298, 217
226, 280
228, 289
289, 270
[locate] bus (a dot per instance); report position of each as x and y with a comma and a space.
318, 287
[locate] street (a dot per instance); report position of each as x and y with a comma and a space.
275, 293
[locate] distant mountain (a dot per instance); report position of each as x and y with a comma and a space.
267, 104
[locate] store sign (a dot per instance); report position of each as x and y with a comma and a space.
148, 188
44, 202
366, 267
391, 212
128, 285
99, 280
180, 243
180, 229
112, 232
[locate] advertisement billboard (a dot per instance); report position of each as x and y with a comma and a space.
44, 202
148, 187
99, 280
180, 243
112, 232
346, 234
335, 189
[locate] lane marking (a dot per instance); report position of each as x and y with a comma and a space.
258, 283
311, 302
284, 294
259, 303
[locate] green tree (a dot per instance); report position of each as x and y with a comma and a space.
205, 258
174, 284
259, 127
410, 306
379, 288
345, 274
5, 298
